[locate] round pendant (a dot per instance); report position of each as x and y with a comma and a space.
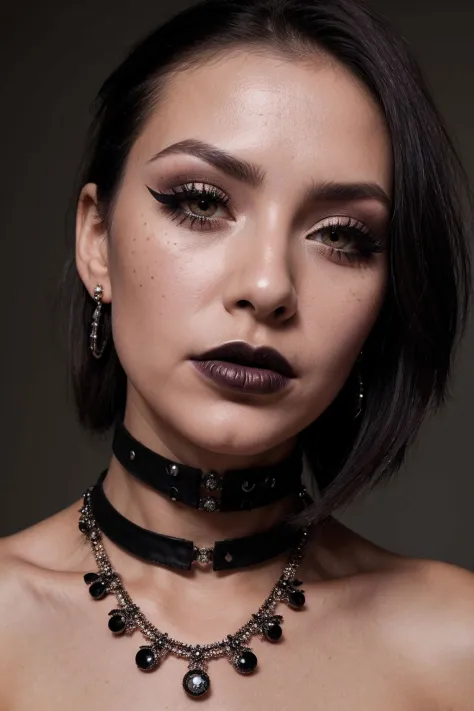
272, 631
117, 624
196, 682
245, 662
146, 659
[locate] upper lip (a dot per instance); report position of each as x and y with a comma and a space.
245, 354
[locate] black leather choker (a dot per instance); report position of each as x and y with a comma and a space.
181, 553
236, 490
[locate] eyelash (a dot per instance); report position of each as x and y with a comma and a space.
367, 244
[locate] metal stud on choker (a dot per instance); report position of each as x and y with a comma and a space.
234, 490
127, 617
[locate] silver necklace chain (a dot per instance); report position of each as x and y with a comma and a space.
128, 617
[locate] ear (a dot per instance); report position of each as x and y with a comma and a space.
92, 244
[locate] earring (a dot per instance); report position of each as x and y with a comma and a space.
360, 395
97, 351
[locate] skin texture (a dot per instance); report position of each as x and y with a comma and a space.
397, 631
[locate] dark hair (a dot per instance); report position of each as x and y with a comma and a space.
408, 355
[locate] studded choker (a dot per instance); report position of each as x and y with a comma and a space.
235, 490
181, 553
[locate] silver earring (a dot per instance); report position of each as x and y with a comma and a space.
97, 351
360, 395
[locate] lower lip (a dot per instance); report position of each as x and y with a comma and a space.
241, 377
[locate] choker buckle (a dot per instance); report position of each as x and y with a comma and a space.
204, 556
210, 483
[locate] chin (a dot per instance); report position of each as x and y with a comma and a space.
223, 430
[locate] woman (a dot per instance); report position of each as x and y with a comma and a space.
270, 268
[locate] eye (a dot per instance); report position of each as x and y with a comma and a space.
199, 201
343, 231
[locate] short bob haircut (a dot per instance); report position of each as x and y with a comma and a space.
408, 357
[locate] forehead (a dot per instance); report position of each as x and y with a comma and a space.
314, 120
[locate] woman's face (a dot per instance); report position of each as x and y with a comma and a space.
262, 265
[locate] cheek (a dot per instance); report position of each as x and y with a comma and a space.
155, 296
337, 317
343, 312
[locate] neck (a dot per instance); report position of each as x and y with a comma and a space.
149, 509
156, 512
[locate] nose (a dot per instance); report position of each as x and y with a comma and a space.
260, 278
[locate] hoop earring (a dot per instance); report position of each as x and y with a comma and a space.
360, 395
97, 351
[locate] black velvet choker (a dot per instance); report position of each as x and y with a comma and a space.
181, 553
235, 490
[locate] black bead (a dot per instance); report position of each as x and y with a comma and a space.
272, 631
98, 589
196, 682
245, 662
296, 599
90, 577
146, 659
84, 527
117, 624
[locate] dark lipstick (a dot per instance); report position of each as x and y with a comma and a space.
243, 367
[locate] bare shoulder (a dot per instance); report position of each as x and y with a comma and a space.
424, 612
15, 602
19, 571
47, 545
419, 613
431, 612
15, 570
31, 559
37, 568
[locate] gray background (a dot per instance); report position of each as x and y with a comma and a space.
54, 57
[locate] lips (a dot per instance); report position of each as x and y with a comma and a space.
242, 353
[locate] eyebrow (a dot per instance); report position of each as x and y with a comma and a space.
254, 175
